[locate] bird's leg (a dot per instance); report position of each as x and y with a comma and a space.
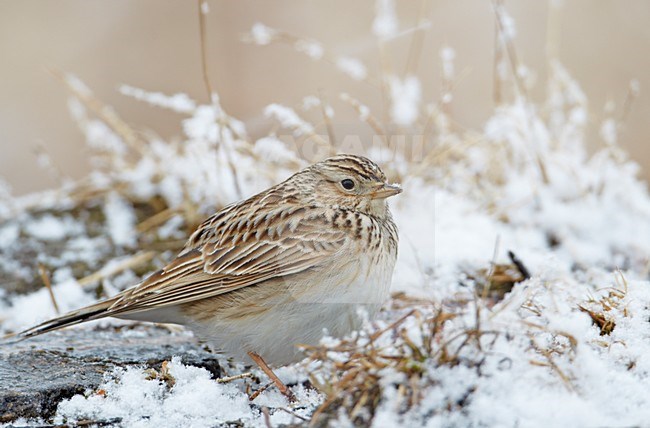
284, 389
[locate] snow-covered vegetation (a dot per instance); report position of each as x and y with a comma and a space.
521, 295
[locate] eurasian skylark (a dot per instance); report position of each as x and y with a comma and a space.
273, 271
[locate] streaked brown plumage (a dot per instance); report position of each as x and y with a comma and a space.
274, 270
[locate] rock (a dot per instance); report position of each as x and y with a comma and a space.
39, 373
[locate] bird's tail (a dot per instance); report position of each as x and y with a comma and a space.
88, 313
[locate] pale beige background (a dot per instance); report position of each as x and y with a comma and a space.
153, 44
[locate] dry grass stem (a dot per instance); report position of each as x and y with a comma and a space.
156, 220
204, 48
45, 277
228, 379
128, 263
261, 390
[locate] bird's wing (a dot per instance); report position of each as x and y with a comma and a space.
234, 255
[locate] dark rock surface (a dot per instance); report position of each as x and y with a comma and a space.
37, 374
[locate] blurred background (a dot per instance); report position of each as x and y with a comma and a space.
155, 45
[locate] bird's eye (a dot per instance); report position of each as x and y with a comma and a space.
347, 184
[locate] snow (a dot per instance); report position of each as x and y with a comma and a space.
288, 118
130, 395
120, 219
364, 112
205, 7
609, 131
405, 97
77, 85
172, 228
203, 124
261, 34
508, 28
352, 67
274, 150
50, 228
310, 102
385, 24
180, 103
30, 309
194, 400
447, 56
311, 48
9, 234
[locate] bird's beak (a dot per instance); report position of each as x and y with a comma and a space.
386, 190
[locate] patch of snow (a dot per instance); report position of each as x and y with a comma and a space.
312, 49
352, 67
274, 150
310, 102
51, 228
9, 235
405, 95
77, 85
447, 56
120, 219
205, 7
508, 28
129, 396
30, 309
288, 119
203, 124
609, 132
172, 228
261, 34
385, 24
194, 400
180, 103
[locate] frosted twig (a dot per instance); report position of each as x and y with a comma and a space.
104, 112
509, 47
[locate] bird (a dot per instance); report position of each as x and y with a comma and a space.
276, 270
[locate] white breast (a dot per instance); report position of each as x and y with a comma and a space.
321, 301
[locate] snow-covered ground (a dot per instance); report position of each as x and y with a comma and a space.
568, 347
